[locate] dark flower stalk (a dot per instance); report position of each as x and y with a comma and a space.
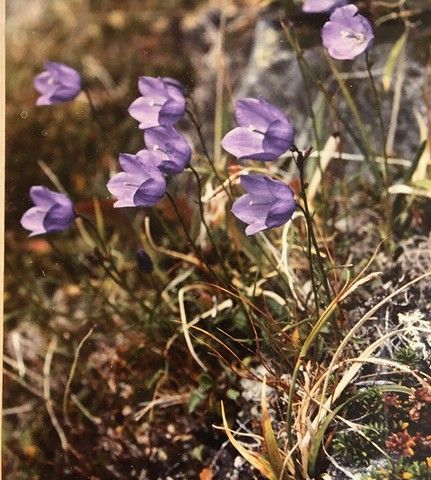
94, 113
300, 161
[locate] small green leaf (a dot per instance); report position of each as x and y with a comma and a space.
205, 382
232, 394
197, 452
195, 399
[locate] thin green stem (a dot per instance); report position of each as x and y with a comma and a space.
198, 129
313, 118
96, 233
309, 219
362, 140
94, 113
208, 230
380, 119
351, 104
386, 177
104, 255
310, 262
189, 238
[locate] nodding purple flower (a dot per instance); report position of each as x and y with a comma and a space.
57, 84
268, 203
162, 102
347, 34
144, 261
141, 184
318, 6
52, 212
264, 133
171, 148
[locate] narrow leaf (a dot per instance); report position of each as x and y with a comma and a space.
254, 459
388, 70
274, 456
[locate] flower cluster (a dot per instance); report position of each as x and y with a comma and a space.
142, 182
263, 133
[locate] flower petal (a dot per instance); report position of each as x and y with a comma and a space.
317, 6
278, 138
123, 186
281, 212
131, 163
244, 209
42, 196
254, 228
32, 220
172, 111
150, 192
156, 158
145, 112
243, 143
58, 218
43, 84
249, 111
154, 88
257, 187
176, 150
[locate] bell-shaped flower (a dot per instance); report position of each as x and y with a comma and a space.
268, 203
173, 151
57, 84
264, 133
162, 102
347, 34
318, 6
52, 212
141, 184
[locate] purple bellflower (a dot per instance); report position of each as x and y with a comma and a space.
141, 184
347, 34
57, 84
170, 147
318, 6
267, 204
52, 212
264, 133
162, 102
